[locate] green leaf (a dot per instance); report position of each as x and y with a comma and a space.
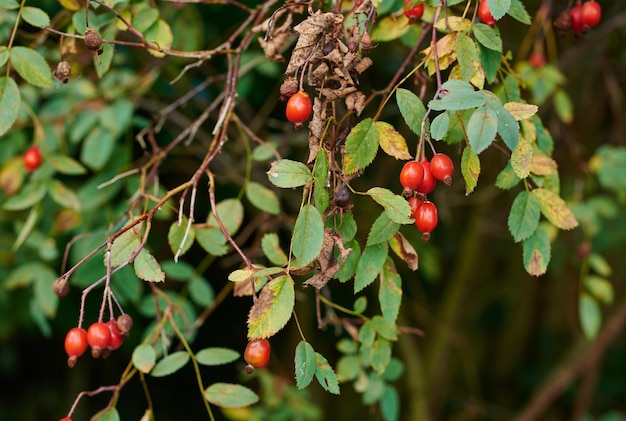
555, 209
305, 363
9, 103
216, 356
144, 18
348, 368
325, 374
361, 146
490, 61
524, 216
467, 56
35, 17
147, 268
107, 415
518, 12
32, 67
31, 194
498, 8
487, 36
374, 389
536, 253
262, 198
439, 126
590, 316
176, 236
380, 355
609, 163
394, 370
507, 179
508, 129
384, 328
459, 99
308, 235
348, 268
321, 197
230, 212
97, 148
9, 4
382, 230
211, 240
66, 165
160, 35
272, 250
201, 291
226, 395
390, 404
369, 266
521, 159
470, 169
396, 207
601, 289
102, 62
181, 271
144, 358
482, 128
411, 108
170, 364
392, 142
563, 106
125, 245
271, 312
286, 173
62, 195
360, 305
599, 265
390, 292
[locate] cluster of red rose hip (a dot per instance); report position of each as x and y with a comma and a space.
580, 18
418, 179
101, 337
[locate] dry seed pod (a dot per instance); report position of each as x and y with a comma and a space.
563, 22
62, 72
124, 323
60, 287
289, 87
92, 39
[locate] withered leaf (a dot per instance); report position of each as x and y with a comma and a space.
404, 250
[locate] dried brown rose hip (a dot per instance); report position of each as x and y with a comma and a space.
124, 324
92, 39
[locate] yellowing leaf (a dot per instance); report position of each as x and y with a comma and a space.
272, 310
390, 28
521, 111
160, 34
72, 5
470, 169
555, 209
542, 165
453, 24
446, 51
391, 141
521, 158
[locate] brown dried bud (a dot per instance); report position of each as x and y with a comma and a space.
92, 39
353, 46
62, 72
355, 102
124, 323
289, 87
60, 287
563, 22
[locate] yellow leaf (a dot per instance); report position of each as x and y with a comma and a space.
529, 130
72, 5
446, 51
521, 111
521, 158
453, 24
390, 28
391, 141
555, 209
542, 165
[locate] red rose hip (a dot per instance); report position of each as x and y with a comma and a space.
257, 354
484, 14
412, 175
99, 338
75, 344
426, 219
298, 108
442, 168
32, 158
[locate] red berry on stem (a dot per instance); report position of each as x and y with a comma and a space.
591, 13
257, 354
484, 14
66, 419
426, 219
413, 10
98, 337
428, 183
577, 19
116, 335
442, 168
412, 175
32, 158
298, 108
415, 202
537, 59
75, 344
